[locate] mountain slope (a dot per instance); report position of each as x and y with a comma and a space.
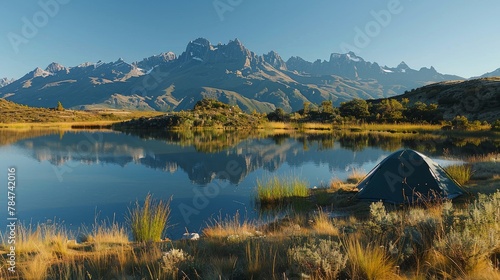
495, 73
477, 99
228, 72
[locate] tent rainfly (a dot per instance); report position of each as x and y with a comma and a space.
407, 176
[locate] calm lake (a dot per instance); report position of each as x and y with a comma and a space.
75, 178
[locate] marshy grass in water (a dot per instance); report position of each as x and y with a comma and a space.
276, 190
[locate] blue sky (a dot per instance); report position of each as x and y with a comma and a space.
457, 37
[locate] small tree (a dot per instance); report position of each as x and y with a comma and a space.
496, 126
460, 122
279, 115
357, 108
389, 110
327, 107
307, 107
59, 106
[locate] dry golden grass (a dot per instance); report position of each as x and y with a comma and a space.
292, 126
490, 157
401, 127
445, 267
447, 241
322, 224
262, 259
368, 261
276, 126
338, 185
356, 176
104, 234
43, 238
229, 226
56, 125
316, 126
37, 267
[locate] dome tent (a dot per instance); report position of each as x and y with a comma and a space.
407, 176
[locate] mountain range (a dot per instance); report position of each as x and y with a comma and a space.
228, 72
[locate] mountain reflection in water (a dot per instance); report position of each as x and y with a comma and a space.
77, 175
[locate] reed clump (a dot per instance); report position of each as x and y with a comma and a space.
276, 190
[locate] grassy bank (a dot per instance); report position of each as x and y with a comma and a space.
439, 241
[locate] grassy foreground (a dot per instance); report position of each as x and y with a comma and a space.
442, 240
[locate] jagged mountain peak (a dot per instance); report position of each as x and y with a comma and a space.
5, 81
197, 50
233, 53
201, 41
167, 56
121, 63
55, 67
275, 60
86, 64
403, 65
295, 58
156, 60
39, 72
236, 41
350, 56
431, 69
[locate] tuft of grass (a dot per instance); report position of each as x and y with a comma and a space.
149, 221
262, 258
276, 190
368, 262
42, 238
323, 225
106, 233
37, 267
461, 173
336, 184
356, 176
229, 226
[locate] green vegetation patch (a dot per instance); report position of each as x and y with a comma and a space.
276, 190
